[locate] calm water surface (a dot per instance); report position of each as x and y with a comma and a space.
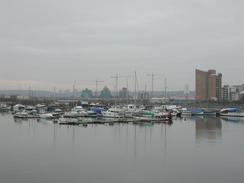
196, 150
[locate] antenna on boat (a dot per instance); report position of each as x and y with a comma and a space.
135, 87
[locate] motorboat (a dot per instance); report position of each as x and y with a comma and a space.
110, 114
22, 114
185, 112
196, 111
25, 115
77, 111
18, 108
46, 116
209, 112
4, 108
114, 112
231, 112
163, 115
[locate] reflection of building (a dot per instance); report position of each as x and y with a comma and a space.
208, 128
208, 85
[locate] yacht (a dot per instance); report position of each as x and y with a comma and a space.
231, 112
18, 108
185, 112
4, 108
77, 111
112, 113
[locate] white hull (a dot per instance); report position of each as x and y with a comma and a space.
186, 114
46, 116
233, 114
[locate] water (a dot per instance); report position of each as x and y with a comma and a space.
194, 150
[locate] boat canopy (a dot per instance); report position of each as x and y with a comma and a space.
195, 110
97, 110
230, 109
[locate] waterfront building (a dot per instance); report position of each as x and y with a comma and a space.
241, 96
232, 93
208, 85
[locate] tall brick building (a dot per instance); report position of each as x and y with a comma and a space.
208, 85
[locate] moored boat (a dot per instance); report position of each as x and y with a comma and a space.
231, 112
25, 115
185, 112
196, 111
209, 112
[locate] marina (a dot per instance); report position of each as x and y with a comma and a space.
121, 91
120, 113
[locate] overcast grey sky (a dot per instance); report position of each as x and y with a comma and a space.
51, 43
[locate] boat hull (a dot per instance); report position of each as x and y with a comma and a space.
234, 114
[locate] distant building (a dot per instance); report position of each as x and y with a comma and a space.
23, 97
143, 96
124, 93
241, 96
232, 93
226, 93
208, 85
186, 92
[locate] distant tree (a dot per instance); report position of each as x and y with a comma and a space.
106, 93
86, 93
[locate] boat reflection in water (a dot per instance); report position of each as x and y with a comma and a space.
209, 128
232, 119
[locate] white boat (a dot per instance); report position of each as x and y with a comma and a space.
109, 114
112, 113
46, 116
22, 114
163, 115
77, 111
231, 112
25, 115
186, 112
75, 114
18, 108
4, 107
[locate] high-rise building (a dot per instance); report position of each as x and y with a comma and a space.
208, 85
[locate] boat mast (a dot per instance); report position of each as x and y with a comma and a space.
135, 87
165, 88
116, 77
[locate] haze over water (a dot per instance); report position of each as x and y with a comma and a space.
190, 150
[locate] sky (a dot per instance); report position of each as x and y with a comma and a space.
47, 44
